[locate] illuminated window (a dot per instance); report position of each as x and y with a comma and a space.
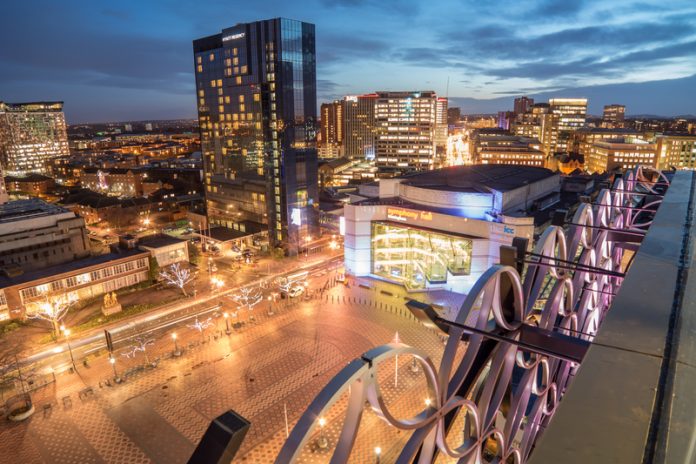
211, 57
238, 80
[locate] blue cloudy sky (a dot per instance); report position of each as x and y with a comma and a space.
128, 59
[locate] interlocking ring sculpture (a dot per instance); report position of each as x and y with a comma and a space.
570, 280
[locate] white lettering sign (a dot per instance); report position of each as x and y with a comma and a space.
233, 37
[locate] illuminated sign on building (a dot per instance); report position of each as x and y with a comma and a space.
404, 215
296, 217
233, 37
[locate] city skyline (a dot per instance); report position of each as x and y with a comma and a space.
125, 63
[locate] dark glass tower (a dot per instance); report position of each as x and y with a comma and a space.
256, 94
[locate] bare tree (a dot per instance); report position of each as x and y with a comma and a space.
248, 297
200, 326
177, 277
11, 370
52, 308
141, 344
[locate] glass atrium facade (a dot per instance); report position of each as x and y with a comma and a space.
417, 257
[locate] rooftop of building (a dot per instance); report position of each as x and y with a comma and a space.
607, 130
622, 142
484, 177
71, 266
159, 241
32, 106
21, 210
31, 177
92, 170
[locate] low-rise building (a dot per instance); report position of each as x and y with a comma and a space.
443, 228
32, 184
676, 150
167, 250
35, 234
508, 149
621, 153
117, 182
78, 280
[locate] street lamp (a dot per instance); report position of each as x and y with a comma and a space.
66, 332
227, 323
112, 360
307, 240
177, 352
322, 442
378, 452
216, 283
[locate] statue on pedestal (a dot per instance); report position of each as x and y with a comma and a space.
110, 304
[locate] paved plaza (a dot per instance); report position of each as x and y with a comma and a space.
276, 363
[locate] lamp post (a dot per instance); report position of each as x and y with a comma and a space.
307, 240
112, 360
177, 351
322, 442
378, 453
66, 332
227, 323
270, 305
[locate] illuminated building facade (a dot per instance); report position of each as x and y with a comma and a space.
678, 150
443, 228
621, 153
31, 134
584, 139
118, 182
78, 280
256, 91
441, 130
572, 113
509, 150
539, 123
332, 126
406, 126
359, 131
613, 116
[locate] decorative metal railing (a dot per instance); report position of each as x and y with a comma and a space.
501, 393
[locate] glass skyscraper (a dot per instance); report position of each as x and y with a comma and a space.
256, 95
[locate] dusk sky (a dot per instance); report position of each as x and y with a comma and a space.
132, 60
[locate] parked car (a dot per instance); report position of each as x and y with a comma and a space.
296, 291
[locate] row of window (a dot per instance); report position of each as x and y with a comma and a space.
82, 279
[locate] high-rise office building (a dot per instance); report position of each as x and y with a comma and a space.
571, 116
441, 131
523, 104
256, 92
454, 114
613, 116
359, 126
332, 126
540, 123
406, 123
31, 135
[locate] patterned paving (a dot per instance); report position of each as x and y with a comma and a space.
279, 363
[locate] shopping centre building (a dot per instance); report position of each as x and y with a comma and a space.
443, 228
